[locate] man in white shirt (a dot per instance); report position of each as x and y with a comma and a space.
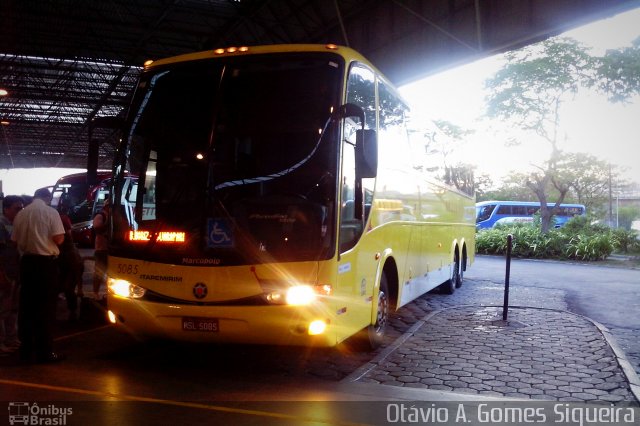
38, 231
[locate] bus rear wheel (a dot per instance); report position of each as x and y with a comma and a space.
449, 286
461, 268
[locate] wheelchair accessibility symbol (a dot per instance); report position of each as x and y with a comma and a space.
219, 233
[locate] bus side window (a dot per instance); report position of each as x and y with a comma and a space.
350, 223
504, 210
519, 210
360, 91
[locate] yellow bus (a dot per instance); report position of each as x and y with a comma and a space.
270, 195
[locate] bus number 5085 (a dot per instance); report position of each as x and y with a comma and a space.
127, 268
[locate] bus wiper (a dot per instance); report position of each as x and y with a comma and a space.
258, 179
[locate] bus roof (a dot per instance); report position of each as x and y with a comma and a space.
81, 177
343, 51
347, 53
523, 203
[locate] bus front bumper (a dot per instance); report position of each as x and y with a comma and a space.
265, 324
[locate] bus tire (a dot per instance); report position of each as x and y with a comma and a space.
449, 286
460, 279
372, 336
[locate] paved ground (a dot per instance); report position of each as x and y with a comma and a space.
536, 353
459, 344
598, 290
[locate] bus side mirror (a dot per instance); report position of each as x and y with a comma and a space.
366, 142
366, 153
351, 110
115, 123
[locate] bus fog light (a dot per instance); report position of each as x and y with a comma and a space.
300, 295
112, 317
317, 327
124, 288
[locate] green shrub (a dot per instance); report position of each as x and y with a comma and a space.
492, 241
580, 241
584, 225
625, 241
591, 247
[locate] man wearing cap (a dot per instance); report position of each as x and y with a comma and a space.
38, 231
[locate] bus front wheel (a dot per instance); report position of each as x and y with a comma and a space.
373, 336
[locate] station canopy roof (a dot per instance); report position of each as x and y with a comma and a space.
69, 66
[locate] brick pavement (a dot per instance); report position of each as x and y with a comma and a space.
538, 354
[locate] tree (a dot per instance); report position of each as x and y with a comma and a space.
588, 178
528, 91
483, 183
512, 188
619, 72
626, 215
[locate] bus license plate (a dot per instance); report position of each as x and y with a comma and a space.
200, 324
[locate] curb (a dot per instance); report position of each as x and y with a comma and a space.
560, 262
377, 360
621, 359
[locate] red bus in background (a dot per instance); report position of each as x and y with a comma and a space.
82, 202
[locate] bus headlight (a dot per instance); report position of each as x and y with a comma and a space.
297, 295
300, 295
124, 288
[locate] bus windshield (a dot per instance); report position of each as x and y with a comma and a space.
235, 156
79, 200
484, 212
74, 197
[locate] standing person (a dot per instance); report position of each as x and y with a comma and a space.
100, 229
9, 268
71, 265
38, 231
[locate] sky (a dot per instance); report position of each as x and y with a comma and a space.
589, 123
26, 181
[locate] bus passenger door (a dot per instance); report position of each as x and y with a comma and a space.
357, 264
352, 286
